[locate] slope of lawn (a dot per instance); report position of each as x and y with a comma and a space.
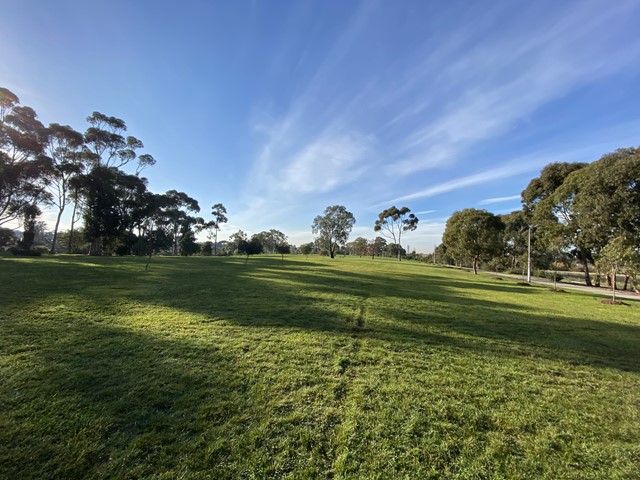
309, 368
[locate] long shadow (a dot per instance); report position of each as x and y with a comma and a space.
268, 292
271, 293
126, 396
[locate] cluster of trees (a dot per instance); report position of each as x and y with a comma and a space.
334, 226
586, 213
96, 174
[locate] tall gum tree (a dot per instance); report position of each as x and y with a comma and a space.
333, 228
475, 234
393, 221
548, 202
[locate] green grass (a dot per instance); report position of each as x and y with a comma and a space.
309, 368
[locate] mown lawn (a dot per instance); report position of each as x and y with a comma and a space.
309, 368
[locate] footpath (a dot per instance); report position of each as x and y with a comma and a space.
606, 292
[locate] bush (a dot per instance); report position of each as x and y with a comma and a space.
42, 249
25, 252
549, 275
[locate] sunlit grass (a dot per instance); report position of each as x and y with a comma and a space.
309, 368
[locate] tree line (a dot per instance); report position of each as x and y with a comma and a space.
586, 213
97, 176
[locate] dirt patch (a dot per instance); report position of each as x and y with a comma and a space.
608, 301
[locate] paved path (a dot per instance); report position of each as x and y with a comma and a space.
620, 294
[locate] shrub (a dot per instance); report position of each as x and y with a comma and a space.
25, 252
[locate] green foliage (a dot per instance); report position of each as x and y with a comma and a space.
394, 221
207, 249
306, 248
308, 368
359, 247
333, 228
7, 237
472, 233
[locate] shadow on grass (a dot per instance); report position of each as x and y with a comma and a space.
407, 304
400, 307
125, 396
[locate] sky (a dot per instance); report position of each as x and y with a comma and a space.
278, 109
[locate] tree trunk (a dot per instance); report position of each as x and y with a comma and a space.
585, 266
613, 285
73, 222
215, 243
626, 282
95, 249
55, 232
475, 265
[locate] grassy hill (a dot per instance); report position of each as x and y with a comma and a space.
309, 368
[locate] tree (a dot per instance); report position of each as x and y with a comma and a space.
333, 228
7, 237
188, 245
473, 233
377, 247
283, 249
620, 255
395, 250
359, 247
64, 147
105, 138
206, 249
250, 247
234, 241
24, 169
548, 202
393, 222
111, 199
177, 207
306, 248
219, 217
606, 203
515, 238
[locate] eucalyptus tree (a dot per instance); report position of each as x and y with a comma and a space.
360, 247
178, 207
105, 137
250, 247
393, 221
271, 239
112, 198
377, 246
475, 234
548, 202
234, 241
306, 248
333, 228
219, 213
64, 148
24, 169
606, 201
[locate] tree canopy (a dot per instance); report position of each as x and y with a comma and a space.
393, 221
333, 228
472, 233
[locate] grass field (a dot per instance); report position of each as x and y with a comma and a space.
309, 368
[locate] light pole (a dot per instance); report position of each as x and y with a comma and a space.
529, 257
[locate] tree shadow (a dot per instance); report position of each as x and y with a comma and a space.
126, 395
400, 308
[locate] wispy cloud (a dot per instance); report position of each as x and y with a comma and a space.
424, 108
490, 201
493, 174
326, 163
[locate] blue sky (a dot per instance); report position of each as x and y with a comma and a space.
278, 108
